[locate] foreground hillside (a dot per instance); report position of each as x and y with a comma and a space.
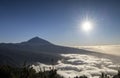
28, 72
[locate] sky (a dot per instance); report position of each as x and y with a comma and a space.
59, 21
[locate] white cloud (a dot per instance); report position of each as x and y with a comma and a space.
80, 64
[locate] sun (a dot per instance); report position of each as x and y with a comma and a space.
87, 26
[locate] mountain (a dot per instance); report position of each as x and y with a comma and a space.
36, 41
35, 50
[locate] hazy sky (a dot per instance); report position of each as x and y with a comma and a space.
59, 21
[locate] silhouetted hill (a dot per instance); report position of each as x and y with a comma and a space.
36, 41
34, 50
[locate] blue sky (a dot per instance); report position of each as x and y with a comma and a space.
59, 21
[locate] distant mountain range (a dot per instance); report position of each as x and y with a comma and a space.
34, 50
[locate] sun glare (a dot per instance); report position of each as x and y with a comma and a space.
87, 26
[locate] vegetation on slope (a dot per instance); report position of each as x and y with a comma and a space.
26, 71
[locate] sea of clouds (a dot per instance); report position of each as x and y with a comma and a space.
107, 49
81, 64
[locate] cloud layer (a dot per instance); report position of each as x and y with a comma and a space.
81, 64
107, 49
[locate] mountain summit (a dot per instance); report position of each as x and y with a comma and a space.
37, 41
